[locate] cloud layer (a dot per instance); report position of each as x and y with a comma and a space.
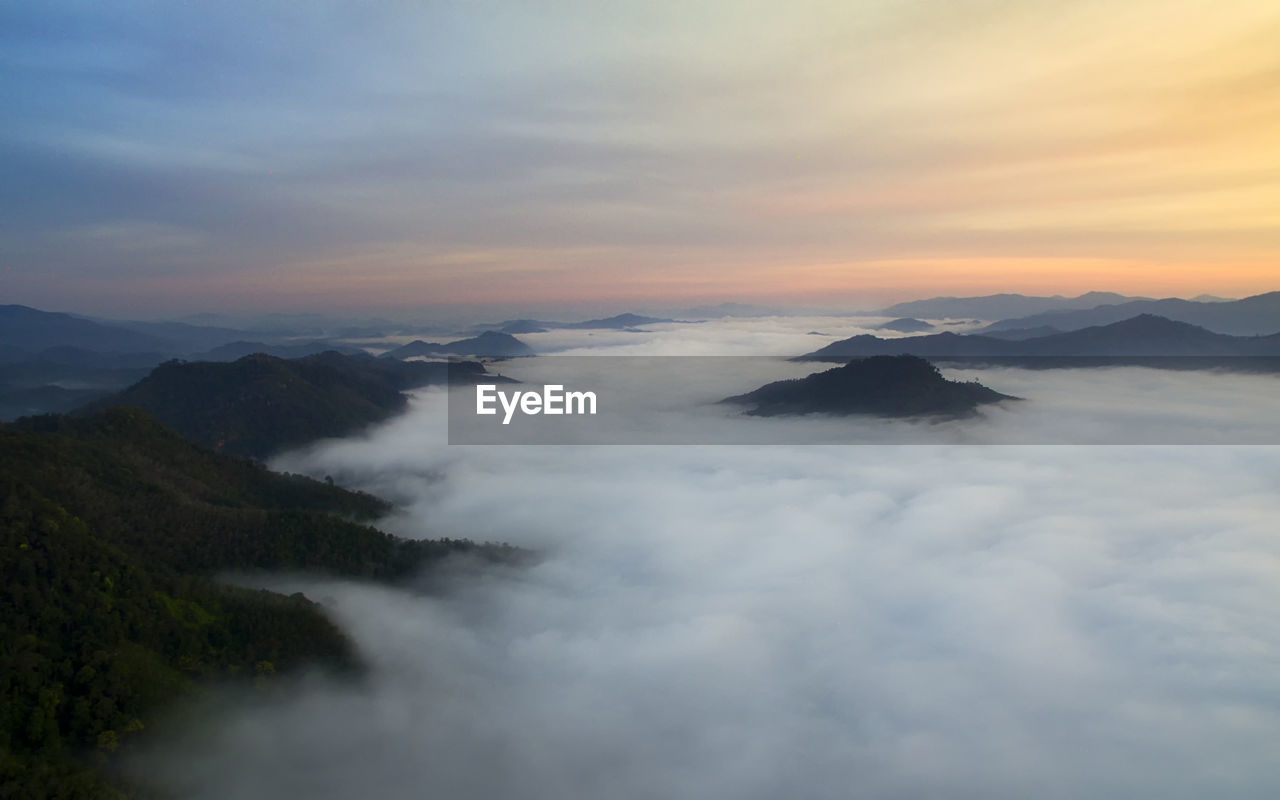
815, 622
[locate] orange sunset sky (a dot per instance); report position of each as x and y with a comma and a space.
164, 158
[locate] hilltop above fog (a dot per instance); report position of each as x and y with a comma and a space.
889, 386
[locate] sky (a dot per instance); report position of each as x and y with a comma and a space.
164, 157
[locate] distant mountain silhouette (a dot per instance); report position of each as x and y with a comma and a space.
1141, 336
517, 326
237, 350
937, 344
260, 405
1150, 335
273, 326
489, 343
998, 306
1252, 316
43, 399
906, 325
891, 386
60, 378
183, 337
617, 322
28, 329
1017, 334
66, 355
10, 354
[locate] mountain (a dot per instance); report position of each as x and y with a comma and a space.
518, 326
260, 405
112, 529
418, 349
931, 346
68, 356
489, 343
1150, 335
10, 354
1141, 336
29, 329
1251, 316
905, 325
239, 349
1018, 334
59, 379
48, 398
38, 387
890, 386
617, 322
183, 338
273, 326
998, 306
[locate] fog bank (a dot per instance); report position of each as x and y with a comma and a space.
796, 621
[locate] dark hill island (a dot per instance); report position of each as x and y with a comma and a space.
887, 386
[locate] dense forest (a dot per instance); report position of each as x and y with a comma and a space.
111, 528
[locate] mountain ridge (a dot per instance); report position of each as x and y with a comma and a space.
494, 344
1144, 335
28, 329
998, 306
1250, 316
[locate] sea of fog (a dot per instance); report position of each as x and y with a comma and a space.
935, 620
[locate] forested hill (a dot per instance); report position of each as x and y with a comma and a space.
889, 386
111, 527
260, 405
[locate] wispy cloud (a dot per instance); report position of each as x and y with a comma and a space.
675, 141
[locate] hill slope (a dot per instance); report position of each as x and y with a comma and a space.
999, 306
110, 527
